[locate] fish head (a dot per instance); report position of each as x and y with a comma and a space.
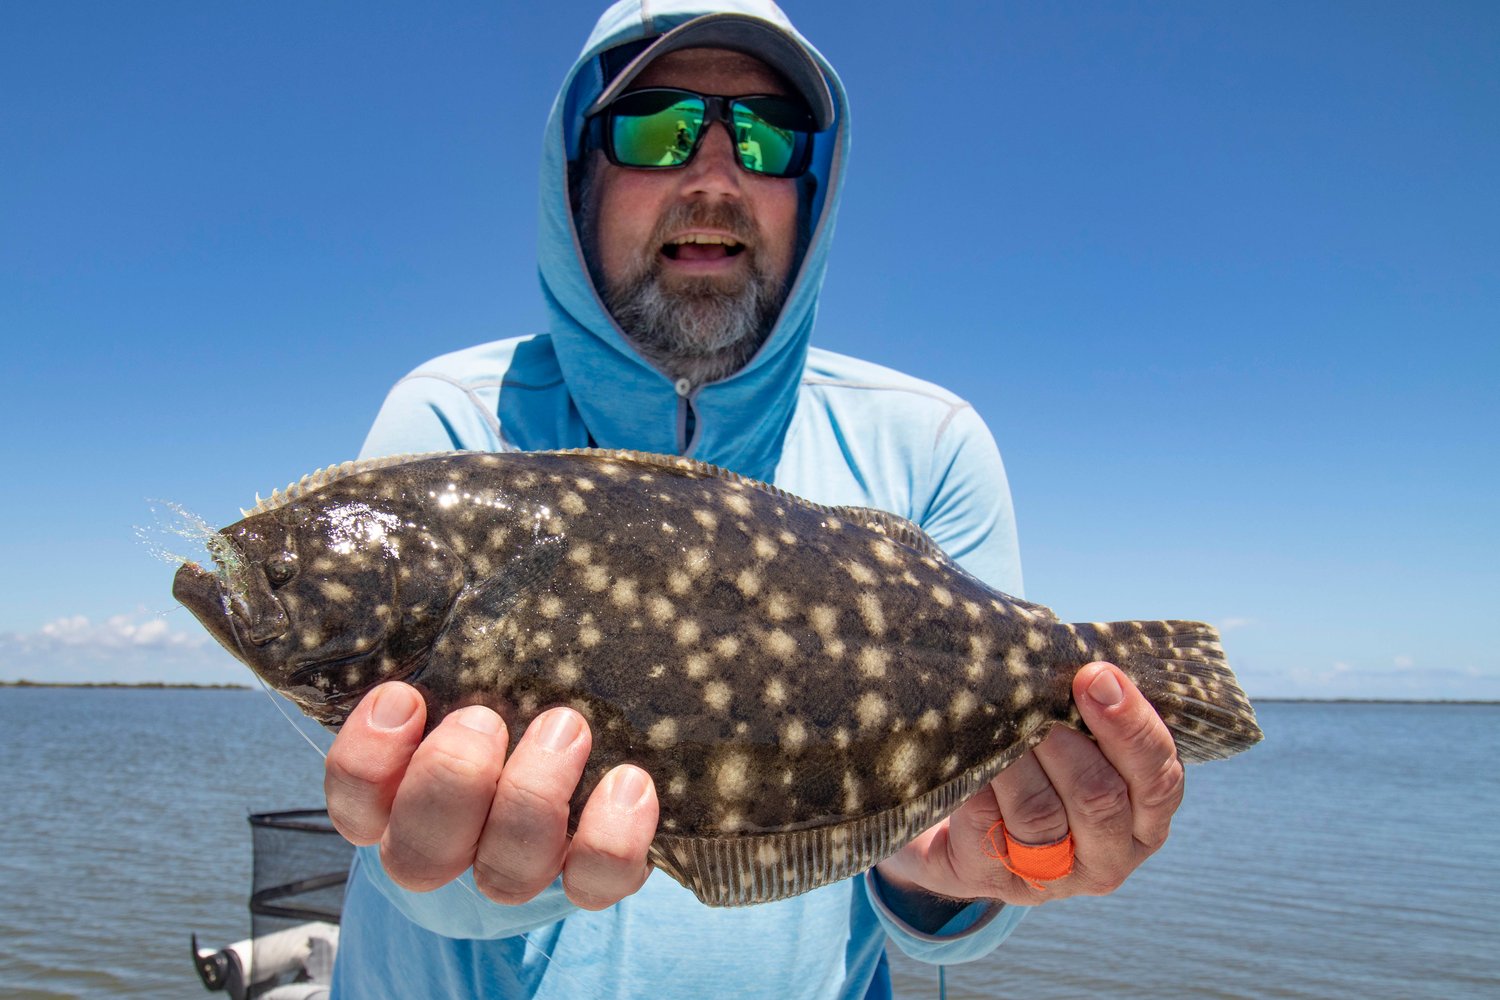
324, 598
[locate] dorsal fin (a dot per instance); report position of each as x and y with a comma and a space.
332, 474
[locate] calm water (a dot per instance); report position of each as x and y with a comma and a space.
1355, 853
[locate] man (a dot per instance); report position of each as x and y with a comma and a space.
682, 270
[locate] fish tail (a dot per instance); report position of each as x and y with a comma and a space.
1180, 668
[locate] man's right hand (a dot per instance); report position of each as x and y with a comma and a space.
453, 801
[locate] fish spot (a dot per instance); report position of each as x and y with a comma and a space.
861, 573
696, 666
550, 606
336, 590
717, 695
581, 553
572, 503
793, 735
311, 638
764, 547
942, 595
823, 619
727, 646
963, 705
567, 671
688, 632
834, 524
595, 577
778, 606
657, 671
323, 564
973, 610
902, 763
1035, 640
706, 518
677, 786
679, 582
871, 710
1021, 696
841, 738
950, 764
853, 798
885, 552
930, 720
786, 537
767, 856
732, 776
834, 648
781, 645
871, 612
748, 582
737, 503
624, 593
1015, 662
776, 692
697, 561
660, 608
873, 660
662, 734
589, 636
731, 822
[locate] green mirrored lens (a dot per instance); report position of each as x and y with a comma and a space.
655, 133
763, 147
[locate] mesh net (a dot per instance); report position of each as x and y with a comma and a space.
296, 896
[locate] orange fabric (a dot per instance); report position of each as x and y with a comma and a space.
1032, 863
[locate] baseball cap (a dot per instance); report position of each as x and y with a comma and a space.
753, 36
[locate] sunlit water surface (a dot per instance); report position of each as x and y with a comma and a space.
1354, 853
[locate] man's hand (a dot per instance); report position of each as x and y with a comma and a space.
1116, 797
453, 801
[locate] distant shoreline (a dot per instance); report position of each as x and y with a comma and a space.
149, 685
165, 685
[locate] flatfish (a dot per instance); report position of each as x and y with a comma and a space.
809, 686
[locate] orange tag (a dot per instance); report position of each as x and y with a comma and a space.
1032, 863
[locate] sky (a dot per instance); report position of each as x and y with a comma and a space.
1223, 279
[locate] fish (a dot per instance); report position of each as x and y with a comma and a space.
809, 686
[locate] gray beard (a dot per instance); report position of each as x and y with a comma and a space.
702, 329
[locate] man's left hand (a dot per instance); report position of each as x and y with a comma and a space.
1116, 796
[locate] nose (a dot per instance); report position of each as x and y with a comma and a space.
715, 168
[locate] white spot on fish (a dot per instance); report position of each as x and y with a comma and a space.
696, 666
781, 645
688, 632
624, 593
776, 692
963, 705
706, 518
823, 619
764, 547
737, 503
662, 734
942, 595
870, 710
572, 503
732, 776
873, 661
778, 606
717, 695
727, 646
861, 573
595, 577
748, 582
793, 735
871, 611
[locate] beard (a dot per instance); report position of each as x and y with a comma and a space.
703, 328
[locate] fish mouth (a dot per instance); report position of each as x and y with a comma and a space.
331, 709
198, 590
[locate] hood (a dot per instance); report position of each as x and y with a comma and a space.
740, 421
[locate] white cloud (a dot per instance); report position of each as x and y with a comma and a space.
1404, 662
1230, 624
124, 648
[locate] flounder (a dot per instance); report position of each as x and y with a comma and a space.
810, 687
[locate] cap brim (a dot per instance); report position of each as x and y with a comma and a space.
738, 33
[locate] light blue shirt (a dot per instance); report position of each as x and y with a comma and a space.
830, 428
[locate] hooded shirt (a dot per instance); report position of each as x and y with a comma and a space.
830, 428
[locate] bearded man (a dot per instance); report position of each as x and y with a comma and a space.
691, 172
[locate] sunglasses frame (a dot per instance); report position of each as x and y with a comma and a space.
716, 109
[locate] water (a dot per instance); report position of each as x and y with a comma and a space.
1355, 853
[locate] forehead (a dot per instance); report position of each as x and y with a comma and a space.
711, 71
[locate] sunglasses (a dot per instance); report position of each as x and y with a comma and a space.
661, 128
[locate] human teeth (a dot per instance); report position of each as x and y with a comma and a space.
728, 241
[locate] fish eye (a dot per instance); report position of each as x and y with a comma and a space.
280, 569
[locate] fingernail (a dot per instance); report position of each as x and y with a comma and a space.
558, 729
1105, 689
627, 786
479, 719
393, 708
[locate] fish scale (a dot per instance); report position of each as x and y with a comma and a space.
810, 687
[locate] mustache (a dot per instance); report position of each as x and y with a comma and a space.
730, 216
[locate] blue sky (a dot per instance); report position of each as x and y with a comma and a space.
1223, 279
